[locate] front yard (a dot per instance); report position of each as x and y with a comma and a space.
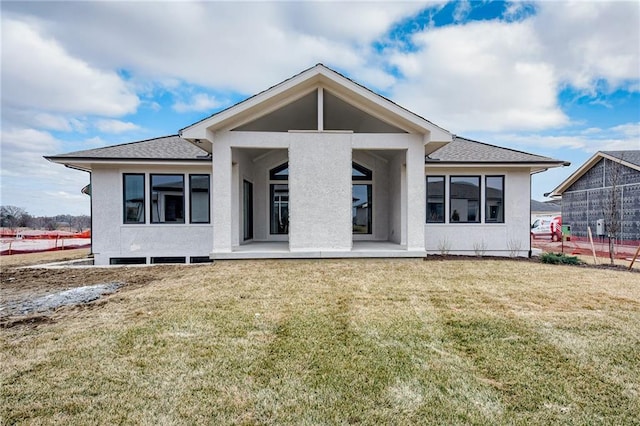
334, 342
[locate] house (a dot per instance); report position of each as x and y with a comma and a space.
605, 188
548, 208
316, 166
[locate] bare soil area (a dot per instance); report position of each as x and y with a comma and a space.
20, 286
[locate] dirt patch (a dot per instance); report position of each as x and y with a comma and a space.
29, 294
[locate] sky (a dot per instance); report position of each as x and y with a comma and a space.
560, 79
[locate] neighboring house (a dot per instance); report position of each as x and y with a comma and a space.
587, 195
316, 166
545, 208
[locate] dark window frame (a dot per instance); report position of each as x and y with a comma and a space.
365, 180
208, 198
273, 173
142, 213
127, 261
158, 222
272, 229
453, 212
444, 198
368, 174
486, 205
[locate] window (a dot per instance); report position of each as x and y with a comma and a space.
435, 199
167, 198
199, 198
362, 208
127, 260
360, 173
280, 173
464, 199
279, 193
494, 199
247, 210
279, 208
133, 193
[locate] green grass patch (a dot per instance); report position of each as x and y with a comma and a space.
338, 342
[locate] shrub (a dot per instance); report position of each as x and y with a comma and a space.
559, 258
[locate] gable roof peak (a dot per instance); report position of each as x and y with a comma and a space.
318, 75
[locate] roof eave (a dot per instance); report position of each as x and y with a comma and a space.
300, 85
86, 163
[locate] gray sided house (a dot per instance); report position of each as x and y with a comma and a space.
315, 166
604, 189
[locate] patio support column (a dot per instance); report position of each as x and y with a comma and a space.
221, 197
415, 202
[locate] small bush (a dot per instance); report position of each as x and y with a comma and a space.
559, 258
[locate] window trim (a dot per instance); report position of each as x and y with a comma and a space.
486, 187
273, 173
184, 219
444, 198
208, 198
368, 174
124, 199
451, 210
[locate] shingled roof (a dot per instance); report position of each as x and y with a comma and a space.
163, 148
629, 156
463, 150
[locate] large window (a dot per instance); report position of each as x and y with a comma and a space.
361, 209
494, 199
133, 192
167, 198
464, 199
279, 208
435, 199
279, 194
199, 198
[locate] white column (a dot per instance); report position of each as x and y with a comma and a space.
320, 196
320, 109
415, 202
221, 196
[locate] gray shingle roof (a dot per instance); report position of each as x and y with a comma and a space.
545, 206
163, 148
463, 150
630, 156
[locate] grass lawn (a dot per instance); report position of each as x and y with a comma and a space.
338, 342
42, 257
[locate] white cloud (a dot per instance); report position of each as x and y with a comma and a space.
480, 76
588, 41
461, 11
590, 140
32, 182
242, 47
198, 102
115, 126
38, 73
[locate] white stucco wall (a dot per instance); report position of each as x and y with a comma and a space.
320, 192
511, 238
395, 198
112, 238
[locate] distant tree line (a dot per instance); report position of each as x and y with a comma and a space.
17, 217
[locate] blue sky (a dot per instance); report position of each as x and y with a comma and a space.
553, 78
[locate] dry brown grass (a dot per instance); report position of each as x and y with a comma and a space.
42, 257
338, 342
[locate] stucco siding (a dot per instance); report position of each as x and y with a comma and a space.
111, 238
320, 192
511, 238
